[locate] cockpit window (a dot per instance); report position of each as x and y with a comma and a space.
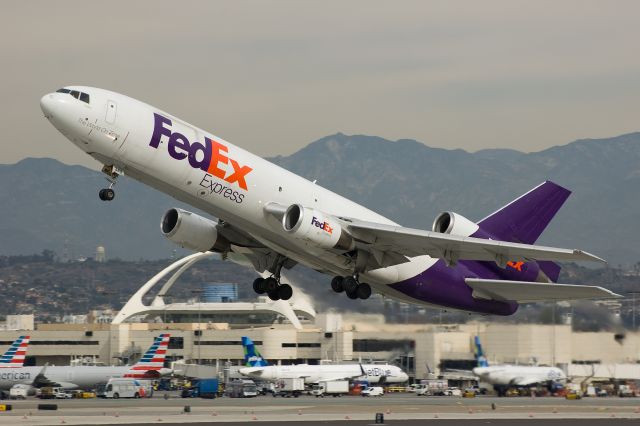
84, 97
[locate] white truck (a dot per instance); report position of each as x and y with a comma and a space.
289, 387
333, 388
432, 387
124, 388
20, 391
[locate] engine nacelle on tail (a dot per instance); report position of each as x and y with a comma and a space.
454, 224
192, 231
318, 228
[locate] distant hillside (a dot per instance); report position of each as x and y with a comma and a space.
45, 203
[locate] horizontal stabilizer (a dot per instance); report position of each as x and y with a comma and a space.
527, 292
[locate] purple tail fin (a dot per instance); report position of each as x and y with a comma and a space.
525, 218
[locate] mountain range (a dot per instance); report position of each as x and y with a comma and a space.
46, 204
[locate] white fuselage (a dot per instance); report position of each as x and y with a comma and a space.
220, 178
515, 375
82, 377
375, 373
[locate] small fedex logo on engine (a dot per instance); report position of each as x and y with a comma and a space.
211, 156
322, 225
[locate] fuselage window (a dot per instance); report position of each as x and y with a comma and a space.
84, 97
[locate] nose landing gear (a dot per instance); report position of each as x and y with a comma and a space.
108, 194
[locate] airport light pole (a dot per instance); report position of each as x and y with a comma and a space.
199, 293
633, 309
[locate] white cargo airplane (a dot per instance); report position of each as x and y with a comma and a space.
273, 219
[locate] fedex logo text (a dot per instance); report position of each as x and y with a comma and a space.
211, 157
322, 225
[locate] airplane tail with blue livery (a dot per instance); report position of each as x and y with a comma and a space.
479, 353
252, 357
15, 355
151, 365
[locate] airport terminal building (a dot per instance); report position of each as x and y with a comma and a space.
418, 349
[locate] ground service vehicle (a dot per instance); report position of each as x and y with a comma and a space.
453, 392
333, 388
289, 387
124, 388
372, 391
432, 387
242, 389
202, 388
572, 394
19, 392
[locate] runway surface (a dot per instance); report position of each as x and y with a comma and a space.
397, 409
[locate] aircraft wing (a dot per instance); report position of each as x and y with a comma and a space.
339, 377
389, 241
525, 292
41, 381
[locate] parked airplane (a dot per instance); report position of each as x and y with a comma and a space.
503, 377
258, 368
85, 377
272, 219
14, 356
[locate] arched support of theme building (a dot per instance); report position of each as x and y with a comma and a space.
135, 305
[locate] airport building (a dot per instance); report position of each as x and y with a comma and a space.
208, 331
419, 349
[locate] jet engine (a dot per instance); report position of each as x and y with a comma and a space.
192, 231
318, 228
454, 224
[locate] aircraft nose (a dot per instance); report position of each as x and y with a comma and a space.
46, 104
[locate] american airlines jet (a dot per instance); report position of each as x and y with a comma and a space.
150, 366
272, 219
259, 369
15, 355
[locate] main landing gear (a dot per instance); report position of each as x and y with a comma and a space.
271, 285
351, 286
108, 194
273, 288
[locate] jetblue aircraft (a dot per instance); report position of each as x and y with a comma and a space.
272, 219
14, 356
502, 377
150, 366
258, 368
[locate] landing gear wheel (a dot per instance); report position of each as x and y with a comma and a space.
270, 285
349, 284
336, 284
107, 194
273, 295
363, 291
285, 292
259, 285
352, 295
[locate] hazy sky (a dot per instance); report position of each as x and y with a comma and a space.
273, 76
